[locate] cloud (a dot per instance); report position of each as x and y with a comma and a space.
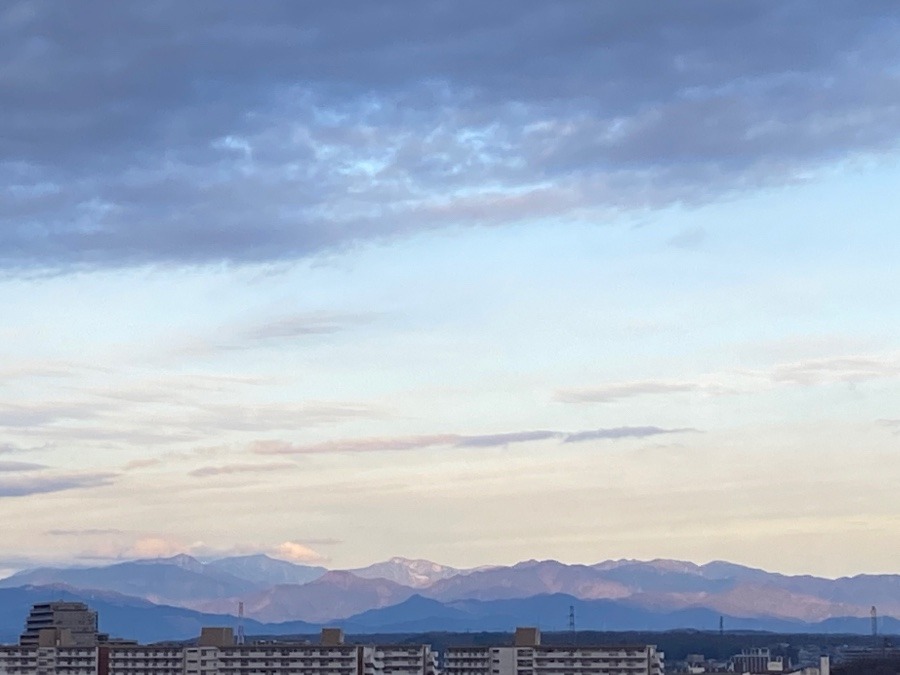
407, 443
85, 532
850, 369
354, 445
39, 370
623, 432
277, 415
10, 467
492, 440
299, 325
322, 541
279, 131
154, 547
47, 412
806, 373
277, 331
151, 421
228, 469
690, 238
11, 449
32, 485
142, 463
297, 553
622, 390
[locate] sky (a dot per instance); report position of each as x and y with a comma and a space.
465, 281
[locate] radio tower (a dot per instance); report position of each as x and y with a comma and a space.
874, 627
239, 639
572, 624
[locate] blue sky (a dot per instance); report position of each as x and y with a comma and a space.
453, 282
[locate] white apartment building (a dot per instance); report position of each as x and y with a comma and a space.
279, 659
217, 654
229, 659
528, 657
146, 660
23, 660
405, 660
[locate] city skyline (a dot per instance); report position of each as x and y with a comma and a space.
463, 282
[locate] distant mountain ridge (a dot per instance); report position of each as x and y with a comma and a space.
412, 573
395, 593
263, 570
175, 581
134, 618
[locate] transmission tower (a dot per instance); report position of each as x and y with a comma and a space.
874, 627
572, 624
240, 627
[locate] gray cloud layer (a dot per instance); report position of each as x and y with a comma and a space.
176, 132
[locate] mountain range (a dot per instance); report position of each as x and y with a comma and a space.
179, 594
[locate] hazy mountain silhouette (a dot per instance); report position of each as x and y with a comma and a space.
263, 570
277, 591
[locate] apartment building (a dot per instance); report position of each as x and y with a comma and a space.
528, 657
757, 660
24, 660
140, 660
217, 654
75, 622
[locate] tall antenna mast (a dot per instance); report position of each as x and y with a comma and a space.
572, 624
240, 627
874, 627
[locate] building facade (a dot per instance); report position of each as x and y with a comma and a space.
528, 657
24, 660
75, 625
217, 654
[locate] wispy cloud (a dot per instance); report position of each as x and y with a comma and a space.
47, 412
621, 390
623, 432
276, 331
310, 323
123, 546
493, 440
12, 449
850, 369
354, 445
298, 552
44, 370
85, 532
405, 443
229, 469
689, 238
804, 373
32, 485
279, 415
9, 467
